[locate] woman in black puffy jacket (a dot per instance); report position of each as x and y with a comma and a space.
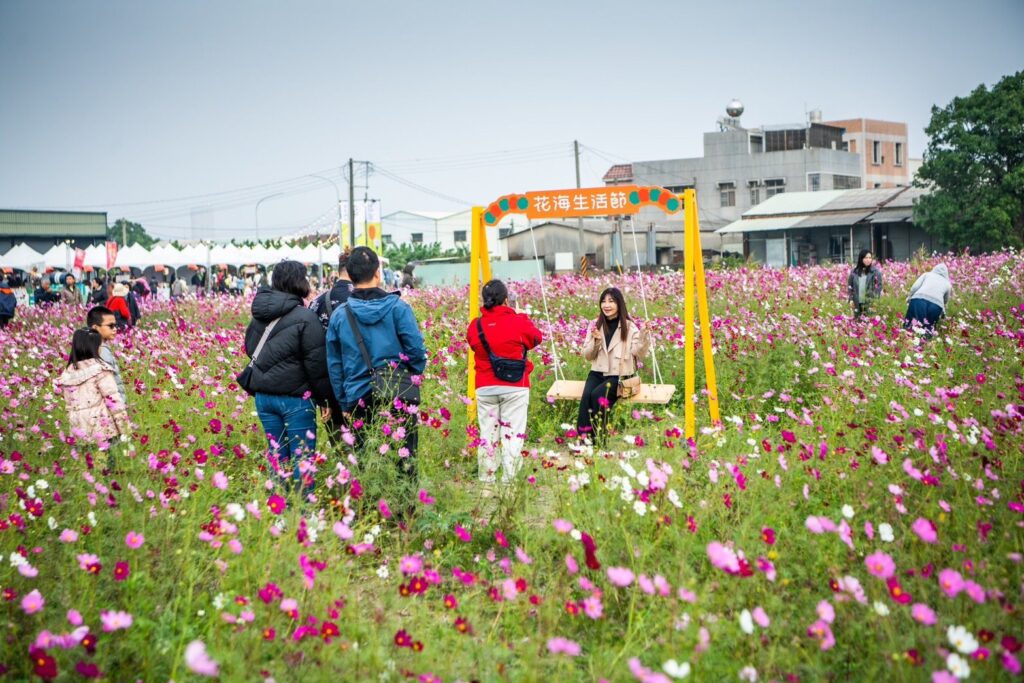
289, 375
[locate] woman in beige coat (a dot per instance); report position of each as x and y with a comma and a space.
95, 409
613, 344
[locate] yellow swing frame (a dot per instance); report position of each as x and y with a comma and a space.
603, 201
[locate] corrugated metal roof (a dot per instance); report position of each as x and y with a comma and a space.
794, 202
762, 224
893, 215
53, 223
861, 199
829, 220
907, 198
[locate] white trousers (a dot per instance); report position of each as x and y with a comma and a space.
502, 420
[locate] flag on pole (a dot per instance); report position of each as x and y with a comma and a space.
111, 254
79, 259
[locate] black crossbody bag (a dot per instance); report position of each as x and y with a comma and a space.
387, 383
506, 369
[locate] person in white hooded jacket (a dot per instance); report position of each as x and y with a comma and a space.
926, 302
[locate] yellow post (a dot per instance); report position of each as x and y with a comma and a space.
705, 325
476, 236
689, 225
485, 256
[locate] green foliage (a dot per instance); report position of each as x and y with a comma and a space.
135, 233
402, 254
974, 164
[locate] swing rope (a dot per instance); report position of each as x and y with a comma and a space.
643, 297
559, 375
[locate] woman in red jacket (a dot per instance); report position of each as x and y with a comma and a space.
500, 338
118, 303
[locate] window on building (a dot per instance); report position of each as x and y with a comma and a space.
876, 152
417, 238
756, 144
851, 146
774, 186
679, 189
387, 239
839, 248
755, 191
727, 191
845, 182
460, 236
814, 182
877, 185
899, 153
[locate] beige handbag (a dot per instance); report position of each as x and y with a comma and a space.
628, 386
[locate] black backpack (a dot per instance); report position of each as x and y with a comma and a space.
506, 369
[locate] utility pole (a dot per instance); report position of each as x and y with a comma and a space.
124, 233
351, 203
579, 221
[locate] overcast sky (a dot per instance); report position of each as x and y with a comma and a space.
184, 115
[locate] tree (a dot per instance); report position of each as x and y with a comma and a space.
135, 233
974, 167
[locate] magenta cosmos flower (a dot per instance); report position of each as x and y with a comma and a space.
880, 564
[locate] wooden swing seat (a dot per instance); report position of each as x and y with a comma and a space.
572, 390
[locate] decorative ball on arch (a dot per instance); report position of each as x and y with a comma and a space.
512, 203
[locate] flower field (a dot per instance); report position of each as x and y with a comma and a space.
859, 515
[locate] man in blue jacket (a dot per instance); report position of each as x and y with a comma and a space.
392, 337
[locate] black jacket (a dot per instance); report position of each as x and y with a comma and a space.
339, 295
46, 297
294, 359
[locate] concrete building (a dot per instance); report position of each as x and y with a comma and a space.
450, 230
607, 247
743, 167
832, 226
883, 149
43, 229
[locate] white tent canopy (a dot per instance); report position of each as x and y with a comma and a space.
22, 257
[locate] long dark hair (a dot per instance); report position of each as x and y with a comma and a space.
602, 320
85, 344
860, 268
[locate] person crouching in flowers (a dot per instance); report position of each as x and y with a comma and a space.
613, 344
500, 338
95, 407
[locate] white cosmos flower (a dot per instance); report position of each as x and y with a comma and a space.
885, 532
962, 639
958, 666
746, 622
881, 609
848, 511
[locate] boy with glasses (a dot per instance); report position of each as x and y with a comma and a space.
101, 319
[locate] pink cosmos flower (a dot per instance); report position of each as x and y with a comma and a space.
645, 675
880, 564
564, 646
74, 617
760, 617
951, 582
620, 576
820, 630
342, 531
974, 591
819, 525
426, 498
923, 614
571, 565
723, 558
410, 564
134, 540
562, 526
944, 676
68, 536
463, 534
826, 611
384, 509
198, 661
220, 481
925, 530
33, 602
115, 621
277, 505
